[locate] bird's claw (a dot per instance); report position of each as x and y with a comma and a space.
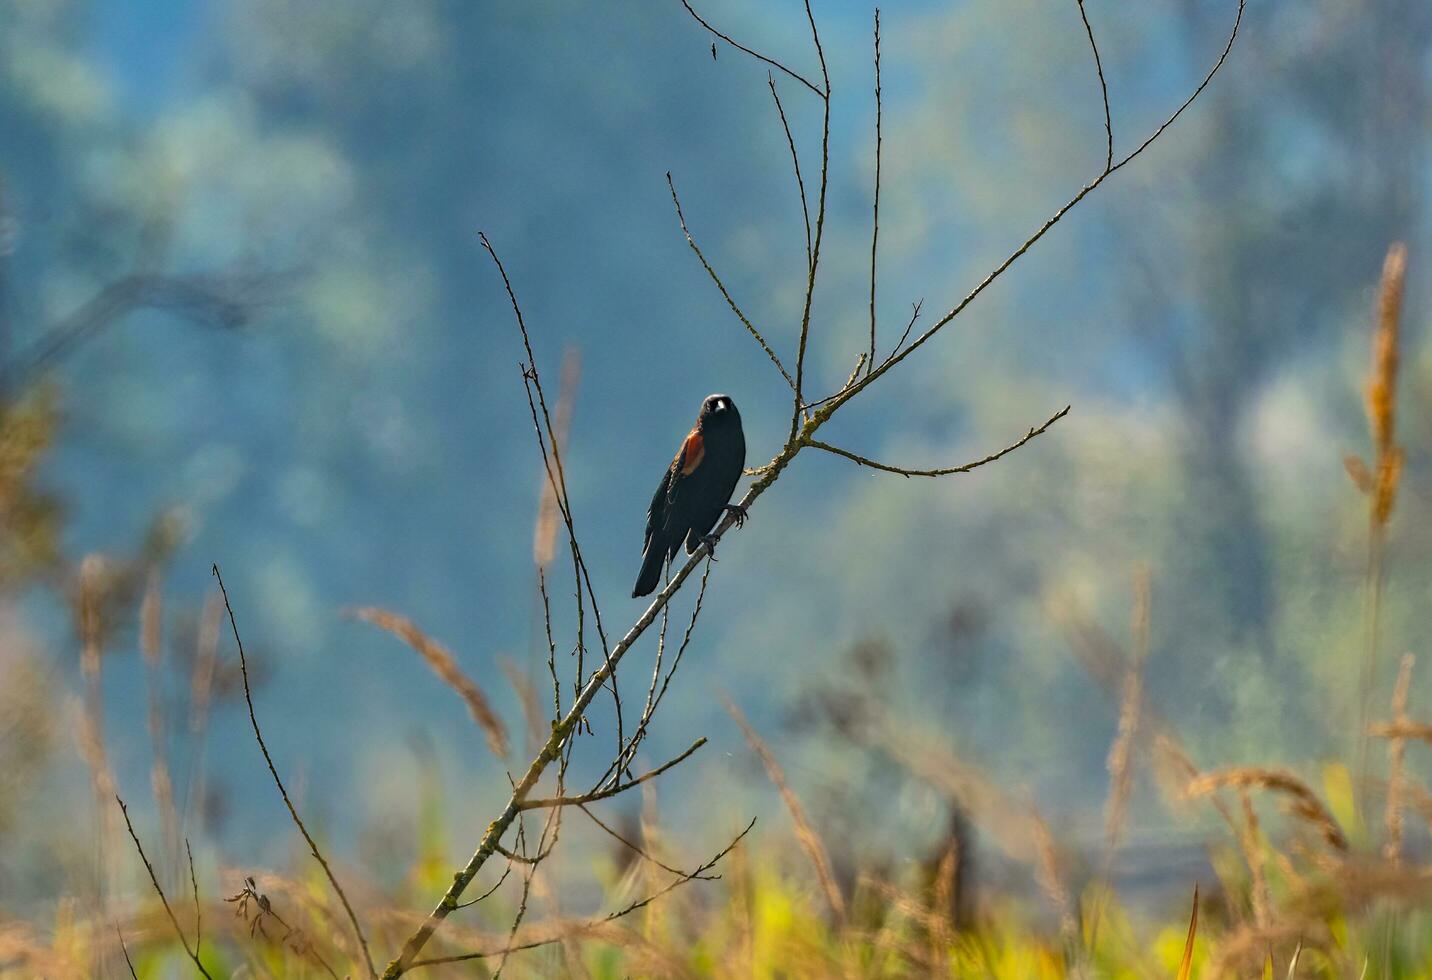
739, 512
709, 540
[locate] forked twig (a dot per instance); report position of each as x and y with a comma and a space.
154, 880
754, 54
700, 874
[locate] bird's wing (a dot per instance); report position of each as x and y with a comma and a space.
687, 458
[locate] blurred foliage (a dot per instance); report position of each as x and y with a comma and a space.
29, 516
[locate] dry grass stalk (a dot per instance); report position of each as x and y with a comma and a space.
445, 666
1418, 731
544, 537
1251, 841
1302, 802
1396, 753
151, 646
809, 841
1120, 763
1103, 660
1121, 753
942, 903
1050, 874
1418, 798
89, 614
1382, 387
1381, 404
1242, 953
203, 671
526, 697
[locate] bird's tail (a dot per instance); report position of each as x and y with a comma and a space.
651, 564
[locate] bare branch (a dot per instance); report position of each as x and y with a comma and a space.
1103, 90
606, 794
902, 471
722, 286
1232, 35
273, 771
1049, 223
754, 54
154, 880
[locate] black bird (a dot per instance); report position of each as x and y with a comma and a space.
695, 490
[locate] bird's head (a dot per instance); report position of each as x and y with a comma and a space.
718, 411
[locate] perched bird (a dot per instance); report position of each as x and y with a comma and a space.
695, 490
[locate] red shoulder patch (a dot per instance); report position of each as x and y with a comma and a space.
693, 450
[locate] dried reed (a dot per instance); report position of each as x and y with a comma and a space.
445, 666
1302, 802
806, 836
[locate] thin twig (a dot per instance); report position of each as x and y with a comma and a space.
198, 909
750, 327
654, 696
915, 308
622, 840
947, 471
819, 225
125, 950
154, 880
875, 223
487, 894
558, 801
1103, 89
754, 54
795, 161
273, 771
